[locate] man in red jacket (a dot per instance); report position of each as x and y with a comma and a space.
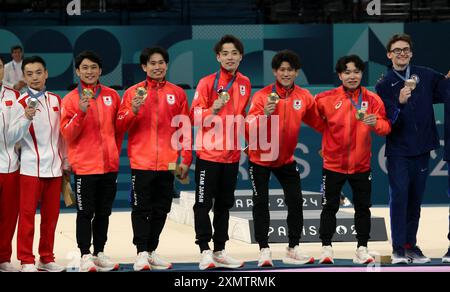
351, 113
88, 126
155, 113
277, 112
220, 100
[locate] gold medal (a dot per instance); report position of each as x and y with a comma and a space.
224, 96
273, 97
141, 92
88, 93
360, 115
411, 83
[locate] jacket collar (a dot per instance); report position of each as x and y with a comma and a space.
154, 83
283, 92
94, 87
226, 75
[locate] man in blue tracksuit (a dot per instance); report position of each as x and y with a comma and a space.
446, 85
409, 107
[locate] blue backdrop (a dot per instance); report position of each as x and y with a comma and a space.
192, 57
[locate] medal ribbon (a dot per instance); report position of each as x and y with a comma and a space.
37, 95
357, 106
407, 75
216, 82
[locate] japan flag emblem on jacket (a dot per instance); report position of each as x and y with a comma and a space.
297, 104
107, 100
171, 99
242, 90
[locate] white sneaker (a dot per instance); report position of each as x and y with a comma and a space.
446, 257
29, 268
294, 256
206, 261
362, 256
265, 258
104, 263
87, 264
158, 263
141, 263
399, 257
8, 268
326, 257
223, 260
51, 267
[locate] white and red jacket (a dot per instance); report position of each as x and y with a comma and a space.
43, 151
9, 161
152, 130
295, 106
91, 136
224, 147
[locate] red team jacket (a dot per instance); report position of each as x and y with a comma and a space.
346, 142
201, 110
295, 106
91, 136
150, 132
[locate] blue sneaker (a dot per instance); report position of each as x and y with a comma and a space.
416, 256
399, 257
446, 257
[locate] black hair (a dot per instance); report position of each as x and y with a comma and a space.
286, 56
91, 56
33, 59
17, 47
147, 53
229, 39
341, 64
2, 60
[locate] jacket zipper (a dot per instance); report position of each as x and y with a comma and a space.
350, 138
101, 134
157, 110
51, 132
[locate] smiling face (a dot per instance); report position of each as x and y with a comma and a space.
400, 54
156, 67
89, 72
351, 76
35, 75
285, 74
229, 57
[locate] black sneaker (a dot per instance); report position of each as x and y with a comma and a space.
416, 255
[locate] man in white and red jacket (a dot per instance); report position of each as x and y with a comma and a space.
35, 125
9, 176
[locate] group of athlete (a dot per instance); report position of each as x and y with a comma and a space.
45, 139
